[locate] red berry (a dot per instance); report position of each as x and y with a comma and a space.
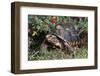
53, 20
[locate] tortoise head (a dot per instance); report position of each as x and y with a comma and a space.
53, 40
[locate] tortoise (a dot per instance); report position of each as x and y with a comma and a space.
65, 37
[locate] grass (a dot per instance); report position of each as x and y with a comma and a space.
56, 54
81, 53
